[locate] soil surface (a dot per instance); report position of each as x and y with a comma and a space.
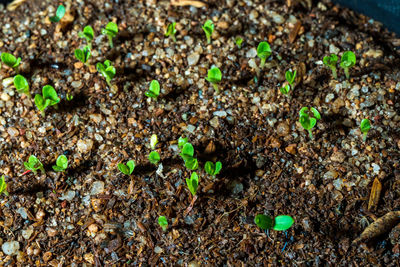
93, 215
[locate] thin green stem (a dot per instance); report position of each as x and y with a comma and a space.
310, 134
334, 72
262, 63
110, 41
365, 137
346, 72
43, 114
215, 87
208, 39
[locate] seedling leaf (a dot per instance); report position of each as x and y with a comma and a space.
154, 89
21, 84
163, 222
208, 29
263, 52
283, 222
193, 183
154, 157
59, 14
263, 221
3, 186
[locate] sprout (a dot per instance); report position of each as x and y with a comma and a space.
193, 183
263, 52
192, 164
154, 90
69, 97
365, 126
182, 141
239, 41
263, 221
347, 61
49, 98
290, 77
330, 62
3, 186
10, 60
170, 32
285, 89
61, 164
88, 34
111, 31
128, 168
213, 169
154, 157
208, 29
107, 70
83, 55
280, 223
34, 164
187, 156
162, 221
309, 122
153, 141
59, 14
21, 84
214, 76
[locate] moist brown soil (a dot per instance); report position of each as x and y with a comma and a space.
92, 214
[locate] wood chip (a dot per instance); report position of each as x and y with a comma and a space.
293, 33
375, 194
381, 226
197, 4
15, 4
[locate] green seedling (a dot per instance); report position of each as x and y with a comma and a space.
83, 55
3, 186
170, 32
162, 221
214, 76
280, 223
111, 31
263, 52
154, 90
21, 84
154, 157
61, 164
59, 14
88, 34
213, 169
290, 77
347, 61
128, 168
193, 183
307, 121
192, 164
208, 29
182, 141
48, 98
239, 41
10, 60
330, 62
187, 151
285, 89
107, 70
365, 126
69, 97
34, 164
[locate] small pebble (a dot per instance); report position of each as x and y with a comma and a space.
10, 248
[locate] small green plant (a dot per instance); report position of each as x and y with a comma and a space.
154, 157
34, 164
285, 89
290, 77
171, 31
48, 98
128, 168
330, 62
192, 164
154, 90
208, 29
107, 70
213, 169
10, 60
365, 126
69, 97
163, 222
83, 55
239, 41
3, 186
193, 183
182, 141
263, 52
187, 152
214, 76
280, 223
111, 31
59, 14
21, 84
88, 34
347, 61
307, 121
61, 164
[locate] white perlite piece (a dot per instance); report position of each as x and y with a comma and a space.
10, 248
